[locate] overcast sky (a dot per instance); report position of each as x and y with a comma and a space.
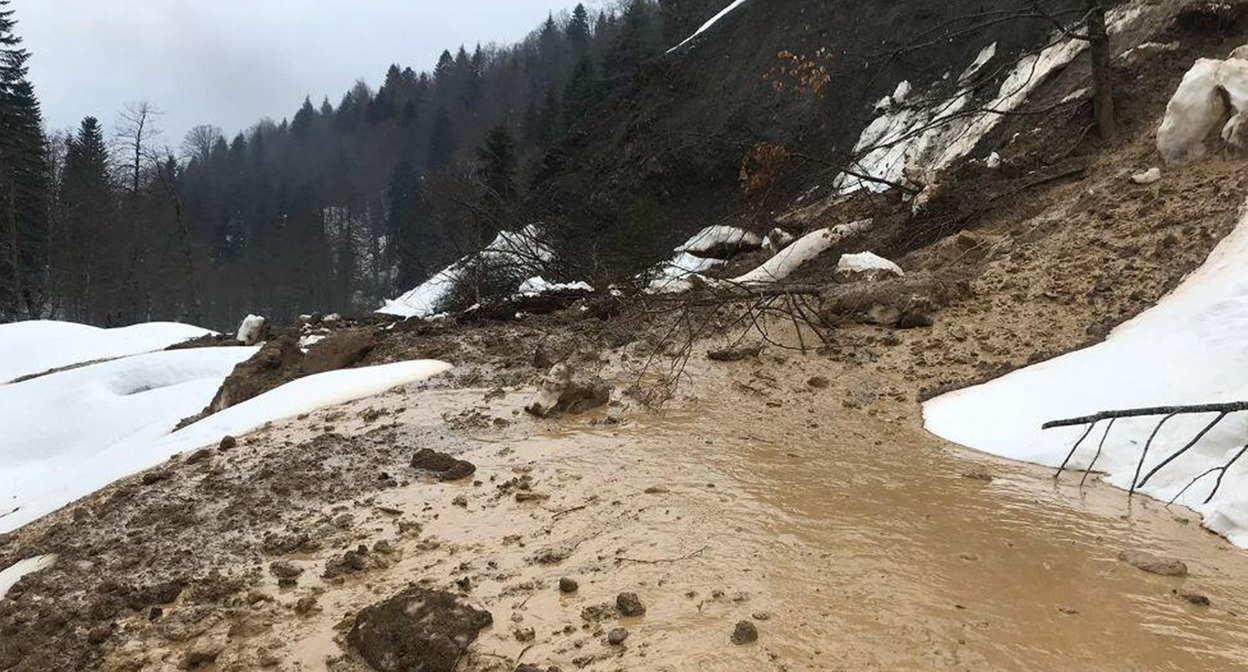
231, 62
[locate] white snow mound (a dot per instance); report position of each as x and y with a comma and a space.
71, 433
720, 236
249, 330
804, 249
1199, 106
536, 286
1188, 349
38, 346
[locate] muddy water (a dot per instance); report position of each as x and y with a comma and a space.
863, 552
852, 538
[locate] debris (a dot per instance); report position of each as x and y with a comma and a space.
567, 585
565, 392
617, 636
734, 354
446, 467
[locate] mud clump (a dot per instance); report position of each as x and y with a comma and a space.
339, 350
617, 636
277, 363
630, 605
744, 633
565, 392
446, 467
567, 585
734, 354
1153, 564
418, 629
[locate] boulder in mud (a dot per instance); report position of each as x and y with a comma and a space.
630, 605
417, 630
565, 392
339, 350
1153, 564
446, 467
745, 633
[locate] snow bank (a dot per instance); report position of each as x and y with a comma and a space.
927, 138
720, 237
706, 26
1190, 348
536, 286
1199, 105
71, 433
13, 573
804, 249
38, 346
521, 251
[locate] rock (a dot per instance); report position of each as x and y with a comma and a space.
227, 443
251, 330
1147, 177
283, 569
418, 629
617, 636
865, 267
564, 392
524, 634
777, 240
1153, 564
153, 477
339, 350
630, 605
744, 633
305, 605
446, 467
993, 161
819, 382
567, 585
199, 455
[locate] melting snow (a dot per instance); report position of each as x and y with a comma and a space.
39, 346
71, 433
679, 274
13, 573
1188, 349
538, 285
720, 236
801, 251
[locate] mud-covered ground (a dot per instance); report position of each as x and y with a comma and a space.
794, 490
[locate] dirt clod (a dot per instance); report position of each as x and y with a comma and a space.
418, 629
446, 467
617, 636
567, 585
630, 605
1153, 564
744, 633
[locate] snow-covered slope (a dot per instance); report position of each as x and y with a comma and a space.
41, 345
71, 433
710, 22
1191, 348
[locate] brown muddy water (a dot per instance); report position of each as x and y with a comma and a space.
853, 539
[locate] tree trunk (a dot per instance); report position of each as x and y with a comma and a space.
1102, 73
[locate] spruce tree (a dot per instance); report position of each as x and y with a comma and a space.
441, 141
497, 162
578, 28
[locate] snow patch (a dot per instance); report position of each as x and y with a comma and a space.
866, 265
680, 274
1188, 349
519, 251
536, 286
720, 237
14, 573
71, 433
38, 346
803, 250
1199, 105
249, 330
706, 26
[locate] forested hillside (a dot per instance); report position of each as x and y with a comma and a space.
340, 205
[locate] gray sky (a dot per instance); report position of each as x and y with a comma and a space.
231, 62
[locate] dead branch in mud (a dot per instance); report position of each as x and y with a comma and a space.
659, 561
1167, 413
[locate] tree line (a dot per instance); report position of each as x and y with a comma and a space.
331, 210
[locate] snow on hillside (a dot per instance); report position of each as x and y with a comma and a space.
931, 136
1188, 349
519, 252
38, 346
707, 26
71, 433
